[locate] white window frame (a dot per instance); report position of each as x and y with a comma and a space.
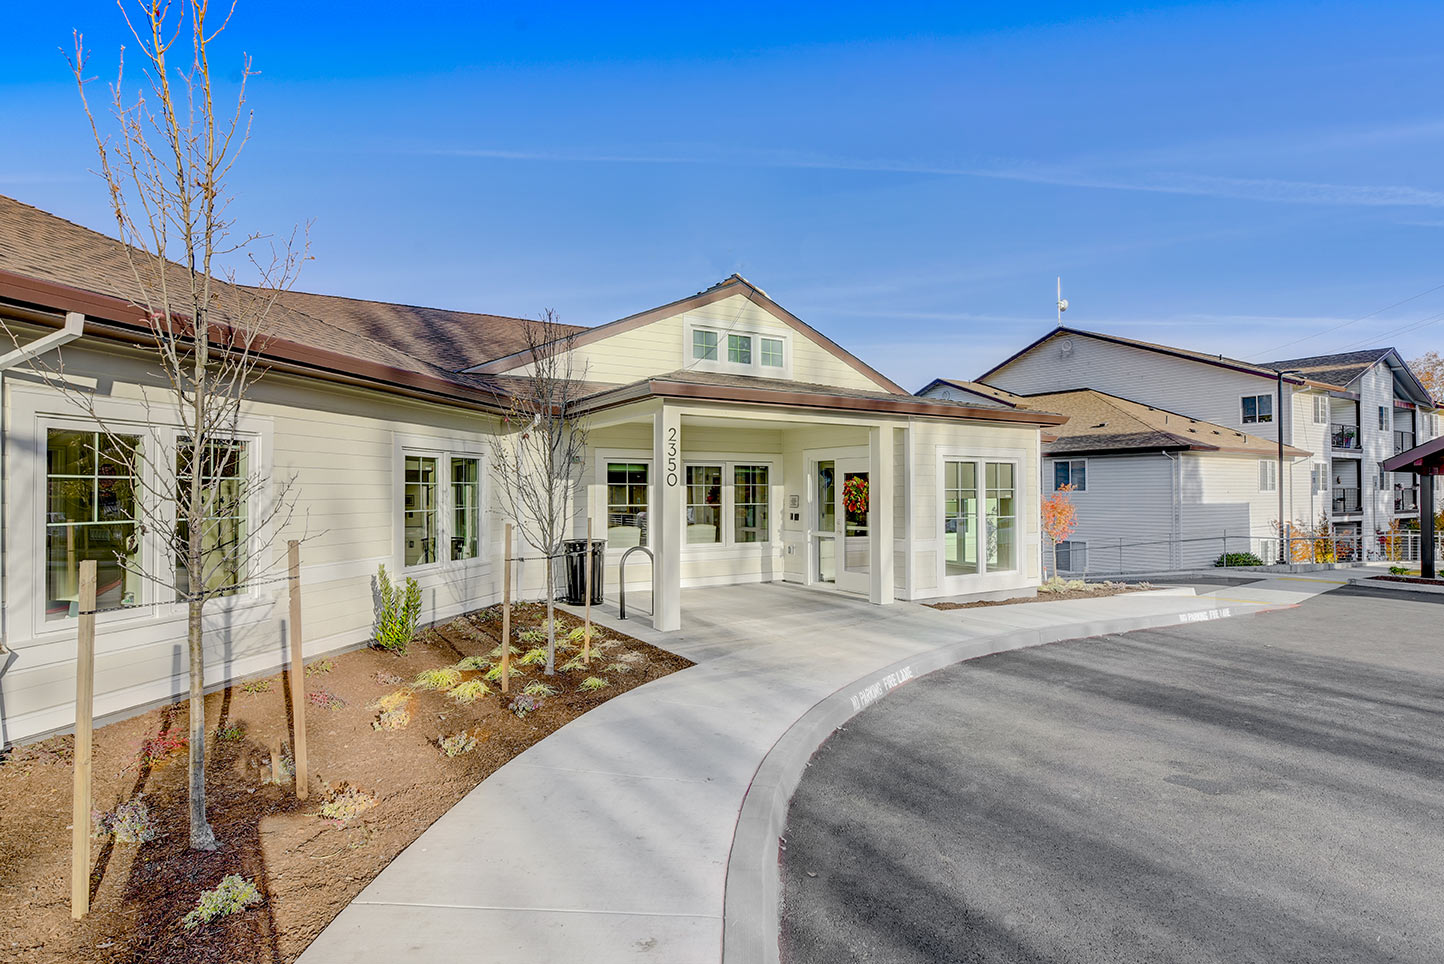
1268, 475
33, 410
762, 351
729, 502
723, 365
1386, 423
1321, 409
443, 450
599, 489
1027, 548
1070, 463
1258, 419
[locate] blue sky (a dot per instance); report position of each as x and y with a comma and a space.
1229, 177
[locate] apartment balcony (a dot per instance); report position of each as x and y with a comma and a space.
1406, 500
1346, 500
1403, 442
1346, 437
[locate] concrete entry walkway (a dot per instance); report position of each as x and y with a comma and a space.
609, 840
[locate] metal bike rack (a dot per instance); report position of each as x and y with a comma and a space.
622, 578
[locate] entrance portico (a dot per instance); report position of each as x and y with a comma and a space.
840, 491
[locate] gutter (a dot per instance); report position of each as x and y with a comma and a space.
72, 329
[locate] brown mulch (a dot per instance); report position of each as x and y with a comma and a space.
307, 868
1091, 592
1416, 579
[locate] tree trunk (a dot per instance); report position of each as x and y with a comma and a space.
202, 838
1054, 543
551, 620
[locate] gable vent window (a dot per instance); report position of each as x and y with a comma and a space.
704, 345
738, 352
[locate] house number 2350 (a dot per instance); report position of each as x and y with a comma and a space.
671, 456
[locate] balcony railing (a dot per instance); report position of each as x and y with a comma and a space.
1346, 437
1346, 500
1403, 442
1406, 500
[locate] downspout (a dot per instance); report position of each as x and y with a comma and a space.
73, 328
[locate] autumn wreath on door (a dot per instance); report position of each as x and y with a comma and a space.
854, 494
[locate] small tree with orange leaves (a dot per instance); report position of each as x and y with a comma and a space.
1060, 518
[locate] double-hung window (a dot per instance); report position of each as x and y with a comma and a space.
222, 509
704, 504
441, 508
465, 508
626, 504
1383, 418
1321, 409
420, 510
750, 503
1258, 409
1072, 472
727, 503
1268, 475
91, 513
1072, 556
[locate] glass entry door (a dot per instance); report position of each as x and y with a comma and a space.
842, 542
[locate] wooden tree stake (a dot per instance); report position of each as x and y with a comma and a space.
506, 613
298, 671
84, 713
587, 631
276, 760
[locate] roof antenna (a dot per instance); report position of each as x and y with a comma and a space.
1062, 303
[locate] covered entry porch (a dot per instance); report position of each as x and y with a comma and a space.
846, 492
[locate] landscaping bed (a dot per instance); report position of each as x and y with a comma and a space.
1087, 591
1415, 579
385, 787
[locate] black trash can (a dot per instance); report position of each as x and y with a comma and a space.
575, 563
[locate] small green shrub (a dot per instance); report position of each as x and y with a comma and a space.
319, 667
493, 675
593, 683
573, 664
632, 657
1400, 570
230, 733
538, 688
398, 612
1062, 585
234, 893
469, 692
128, 823
345, 803
533, 657
473, 663
393, 701
578, 635
256, 686
622, 668
457, 743
532, 636
443, 678
513, 650
1232, 559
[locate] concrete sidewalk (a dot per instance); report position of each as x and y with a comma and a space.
609, 840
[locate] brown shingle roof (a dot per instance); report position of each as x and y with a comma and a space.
38, 245
1099, 422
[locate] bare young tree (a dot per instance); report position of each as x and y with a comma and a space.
537, 460
165, 168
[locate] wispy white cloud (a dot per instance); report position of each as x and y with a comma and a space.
1267, 190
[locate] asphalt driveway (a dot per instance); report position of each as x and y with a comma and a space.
1268, 788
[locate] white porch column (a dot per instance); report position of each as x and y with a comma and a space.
880, 546
666, 521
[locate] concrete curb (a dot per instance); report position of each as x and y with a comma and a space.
751, 914
1372, 583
